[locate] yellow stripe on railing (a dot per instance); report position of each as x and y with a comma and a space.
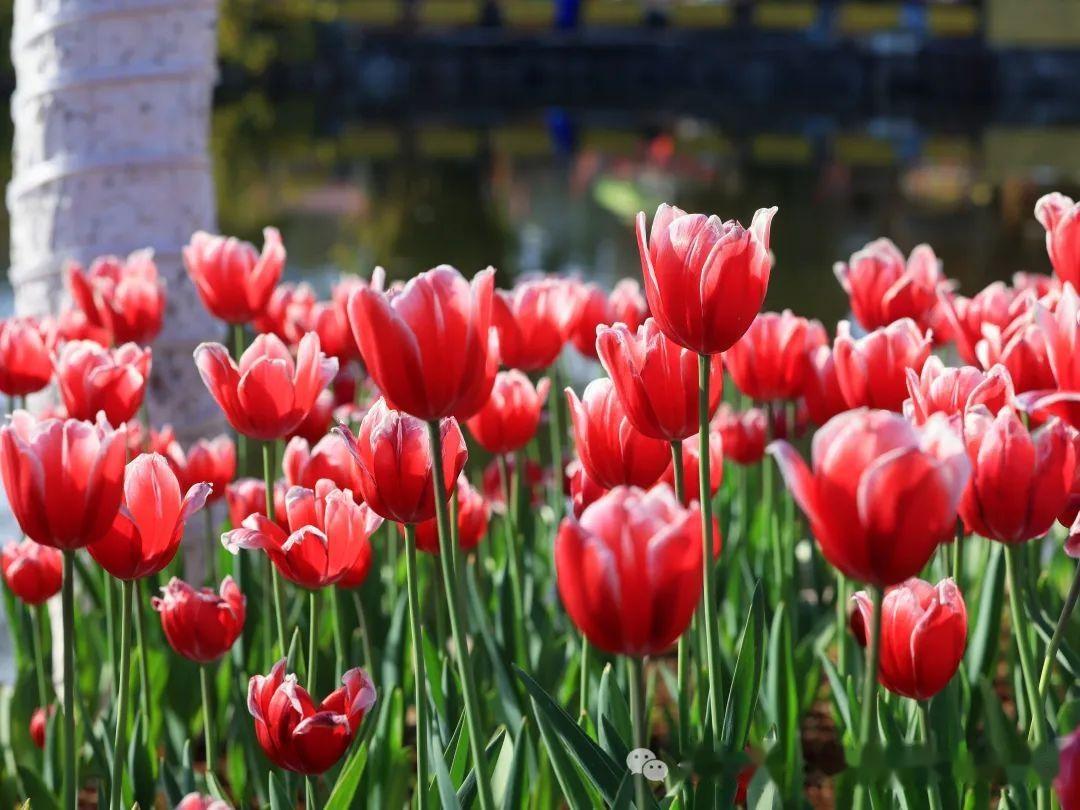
779, 148
697, 15
953, 21
373, 12
522, 141
449, 142
612, 12
866, 18
862, 150
449, 12
529, 13
788, 16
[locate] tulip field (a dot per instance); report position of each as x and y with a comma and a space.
749, 559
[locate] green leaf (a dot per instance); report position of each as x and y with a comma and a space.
279, 797
37, 792
565, 774
613, 716
746, 681
783, 705
983, 642
514, 795
448, 797
140, 768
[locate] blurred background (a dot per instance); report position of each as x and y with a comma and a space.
527, 133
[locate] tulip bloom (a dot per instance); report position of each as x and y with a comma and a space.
427, 346
287, 308
64, 478
534, 321
955, 390
356, 573
304, 465
199, 624
319, 419
1058, 215
742, 435
330, 321
923, 635
995, 306
583, 490
393, 452
92, 379
656, 380
233, 280
124, 297
625, 305
195, 801
147, 529
882, 494
25, 364
771, 361
613, 451
247, 496
821, 389
1067, 781
299, 736
883, 289
33, 572
209, 460
871, 371
1022, 350
268, 395
473, 515
39, 722
1061, 327
629, 571
509, 419
691, 479
326, 530
705, 279
1020, 481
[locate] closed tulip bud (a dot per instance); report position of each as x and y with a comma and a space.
953, 391
268, 394
93, 379
247, 496
1058, 215
75, 502
304, 465
326, 531
1020, 481
299, 736
39, 722
210, 460
871, 370
691, 481
883, 289
821, 389
33, 572
148, 527
656, 380
473, 514
629, 571
195, 801
613, 451
25, 364
199, 624
509, 419
881, 494
534, 321
772, 360
125, 297
705, 279
923, 635
393, 452
625, 305
427, 346
233, 280
742, 435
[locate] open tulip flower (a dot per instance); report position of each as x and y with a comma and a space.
233, 280
209, 460
872, 370
656, 380
199, 624
705, 279
953, 391
287, 308
923, 635
509, 419
881, 494
93, 379
125, 297
995, 306
269, 393
743, 436
821, 388
534, 321
149, 525
883, 289
247, 496
772, 360
1061, 326
629, 570
1022, 350
32, 571
327, 528
299, 736
473, 515
25, 363
625, 305
1058, 215
303, 465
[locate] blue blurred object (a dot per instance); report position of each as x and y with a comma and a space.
562, 131
567, 14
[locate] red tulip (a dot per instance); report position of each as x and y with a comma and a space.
884, 289
288, 307
33, 572
613, 451
72, 324
299, 736
536, 479
25, 364
393, 452
1061, 326
39, 722
194, 801
656, 380
882, 494
93, 379
821, 389
1039, 284
871, 371
629, 571
923, 635
64, 478
1022, 350
210, 460
690, 457
357, 573
247, 496
233, 280
268, 395
772, 360
509, 420
199, 624
1067, 781
705, 279
428, 346
1020, 481
473, 515
330, 321
124, 297
625, 305
583, 490
326, 530
998, 305
954, 390
534, 321
148, 528
1058, 215
319, 419
304, 465
742, 435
